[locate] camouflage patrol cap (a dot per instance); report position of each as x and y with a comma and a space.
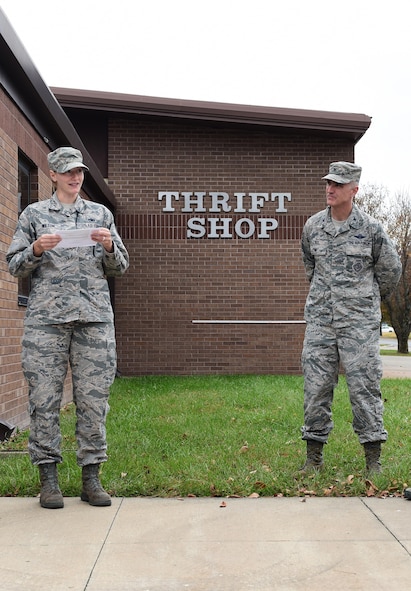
343, 173
64, 159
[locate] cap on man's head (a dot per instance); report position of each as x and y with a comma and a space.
64, 159
343, 173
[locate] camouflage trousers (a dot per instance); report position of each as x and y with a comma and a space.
47, 351
356, 349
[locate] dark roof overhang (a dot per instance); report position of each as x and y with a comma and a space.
350, 124
22, 82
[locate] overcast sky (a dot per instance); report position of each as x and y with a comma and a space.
352, 57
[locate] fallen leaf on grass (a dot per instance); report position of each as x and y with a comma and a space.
383, 494
308, 493
371, 488
260, 484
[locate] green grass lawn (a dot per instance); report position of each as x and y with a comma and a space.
222, 436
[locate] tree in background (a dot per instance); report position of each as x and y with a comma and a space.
395, 215
399, 304
373, 199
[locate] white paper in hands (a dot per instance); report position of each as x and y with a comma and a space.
75, 238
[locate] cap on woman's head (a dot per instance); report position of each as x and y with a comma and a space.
343, 173
64, 159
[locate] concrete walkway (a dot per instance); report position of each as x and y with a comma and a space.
264, 544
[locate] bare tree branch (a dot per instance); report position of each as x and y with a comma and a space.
395, 215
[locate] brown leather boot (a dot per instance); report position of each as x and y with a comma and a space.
50, 493
93, 492
314, 461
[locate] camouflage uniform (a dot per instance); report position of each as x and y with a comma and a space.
69, 319
349, 269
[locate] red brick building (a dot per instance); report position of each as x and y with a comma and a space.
210, 200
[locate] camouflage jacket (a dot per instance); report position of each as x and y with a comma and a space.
67, 284
350, 268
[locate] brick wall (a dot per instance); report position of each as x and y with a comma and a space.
175, 281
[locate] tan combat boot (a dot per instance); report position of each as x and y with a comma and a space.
50, 493
314, 461
372, 451
93, 492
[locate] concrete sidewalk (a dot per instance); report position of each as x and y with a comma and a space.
149, 544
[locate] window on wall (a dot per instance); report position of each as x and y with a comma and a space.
27, 181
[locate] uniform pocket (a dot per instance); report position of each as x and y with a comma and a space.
359, 257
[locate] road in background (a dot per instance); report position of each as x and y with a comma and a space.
395, 366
